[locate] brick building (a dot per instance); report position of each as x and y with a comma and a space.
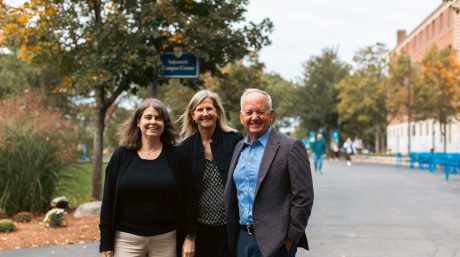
441, 28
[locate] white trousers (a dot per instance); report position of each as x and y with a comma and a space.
129, 245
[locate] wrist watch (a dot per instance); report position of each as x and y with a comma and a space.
191, 236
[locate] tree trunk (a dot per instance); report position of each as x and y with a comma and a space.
433, 135
377, 140
102, 105
98, 143
408, 135
409, 114
444, 135
383, 138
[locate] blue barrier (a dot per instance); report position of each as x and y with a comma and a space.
430, 161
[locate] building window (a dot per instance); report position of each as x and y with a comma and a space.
441, 23
449, 18
433, 35
415, 44
420, 129
413, 130
428, 128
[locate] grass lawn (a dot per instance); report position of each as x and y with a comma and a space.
75, 183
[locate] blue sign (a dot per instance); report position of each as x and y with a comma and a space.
184, 66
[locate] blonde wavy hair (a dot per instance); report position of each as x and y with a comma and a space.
189, 127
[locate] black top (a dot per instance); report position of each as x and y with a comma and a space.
222, 146
111, 207
146, 194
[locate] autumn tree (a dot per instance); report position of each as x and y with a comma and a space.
402, 84
104, 48
362, 96
318, 93
441, 77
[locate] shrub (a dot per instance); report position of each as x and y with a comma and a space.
23, 217
55, 218
7, 226
34, 147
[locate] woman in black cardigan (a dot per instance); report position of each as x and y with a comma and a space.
147, 206
208, 144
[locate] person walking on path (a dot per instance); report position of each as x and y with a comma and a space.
318, 149
209, 142
334, 150
269, 191
349, 150
147, 208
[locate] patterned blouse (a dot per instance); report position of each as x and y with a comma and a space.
211, 210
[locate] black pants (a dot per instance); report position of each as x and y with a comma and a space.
247, 246
211, 241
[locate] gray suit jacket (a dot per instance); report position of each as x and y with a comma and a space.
283, 196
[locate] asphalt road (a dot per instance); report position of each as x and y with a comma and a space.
366, 210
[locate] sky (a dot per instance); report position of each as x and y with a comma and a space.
303, 28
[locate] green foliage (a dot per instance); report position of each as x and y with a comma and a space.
176, 96
15, 75
318, 92
30, 164
362, 96
283, 95
55, 218
75, 183
7, 226
104, 48
23, 217
234, 78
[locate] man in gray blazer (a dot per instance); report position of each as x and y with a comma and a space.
269, 191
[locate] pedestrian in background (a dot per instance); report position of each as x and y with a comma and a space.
334, 150
358, 145
349, 150
318, 149
208, 145
269, 191
147, 205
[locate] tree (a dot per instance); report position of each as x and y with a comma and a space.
362, 96
234, 78
103, 48
441, 77
402, 82
318, 92
283, 95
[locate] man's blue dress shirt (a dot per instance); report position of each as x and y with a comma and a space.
245, 175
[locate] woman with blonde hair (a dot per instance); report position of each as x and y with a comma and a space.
147, 206
208, 144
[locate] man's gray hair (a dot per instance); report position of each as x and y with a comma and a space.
255, 90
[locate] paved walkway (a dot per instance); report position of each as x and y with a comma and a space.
366, 210
371, 210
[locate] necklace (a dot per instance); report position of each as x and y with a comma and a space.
151, 152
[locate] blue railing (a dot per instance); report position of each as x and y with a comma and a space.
430, 161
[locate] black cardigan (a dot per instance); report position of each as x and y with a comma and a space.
185, 195
222, 146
